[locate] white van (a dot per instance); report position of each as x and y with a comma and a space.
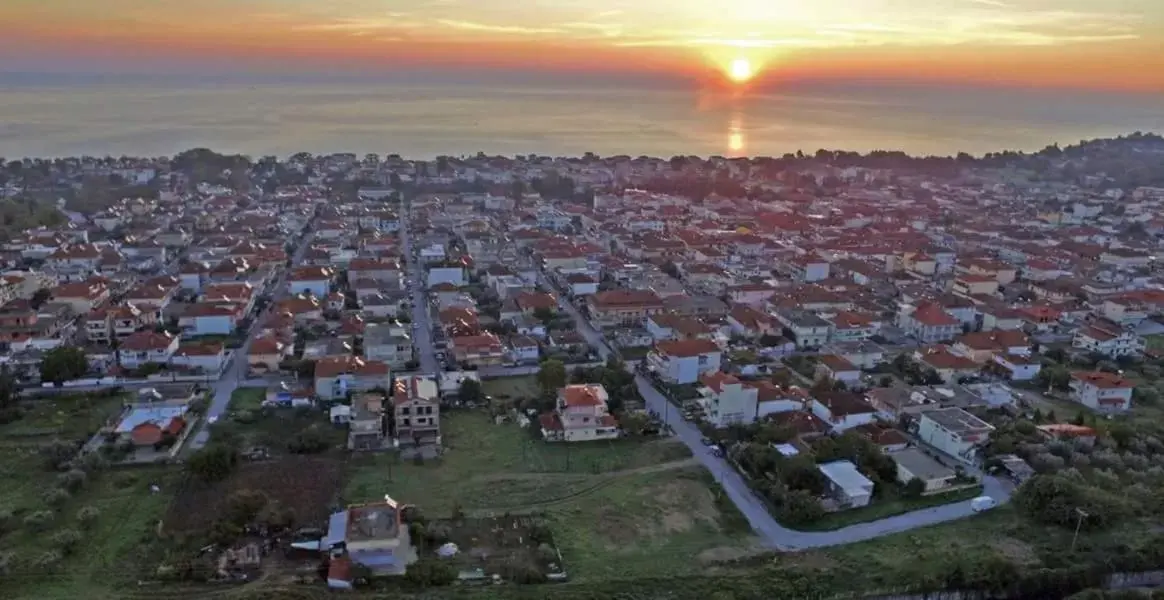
983, 503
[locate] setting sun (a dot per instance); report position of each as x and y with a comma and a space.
740, 70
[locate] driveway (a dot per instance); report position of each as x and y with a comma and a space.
774, 534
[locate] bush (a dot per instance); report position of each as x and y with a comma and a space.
518, 572
92, 463
430, 572
66, 540
86, 515
246, 417
213, 463
39, 520
72, 480
55, 496
915, 488
800, 508
10, 414
57, 454
309, 441
7, 562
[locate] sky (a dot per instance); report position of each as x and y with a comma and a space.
1085, 44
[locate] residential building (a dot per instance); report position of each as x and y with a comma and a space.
915, 464
846, 485
683, 361
313, 280
388, 343
953, 431
366, 422
842, 410
144, 347
482, 350
205, 357
928, 322
1108, 338
622, 307
837, 368
1101, 391
726, 400
266, 352
416, 406
804, 327
581, 414
335, 376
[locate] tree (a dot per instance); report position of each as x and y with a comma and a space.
799, 507
543, 314
471, 391
63, 363
213, 463
552, 375
66, 540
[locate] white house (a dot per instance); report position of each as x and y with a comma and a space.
846, 484
310, 280
209, 357
953, 431
808, 330
683, 361
1109, 339
145, 347
581, 414
928, 322
1101, 391
1018, 367
726, 400
843, 410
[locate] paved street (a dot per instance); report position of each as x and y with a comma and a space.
233, 377
421, 316
775, 535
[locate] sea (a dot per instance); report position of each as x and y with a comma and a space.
417, 118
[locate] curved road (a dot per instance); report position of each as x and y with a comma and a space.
774, 534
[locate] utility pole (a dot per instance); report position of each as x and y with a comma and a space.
1078, 524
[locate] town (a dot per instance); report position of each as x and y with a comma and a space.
842, 374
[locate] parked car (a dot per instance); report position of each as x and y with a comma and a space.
983, 503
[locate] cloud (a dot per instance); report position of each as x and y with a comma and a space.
504, 29
991, 3
364, 26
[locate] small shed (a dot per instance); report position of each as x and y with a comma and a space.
847, 484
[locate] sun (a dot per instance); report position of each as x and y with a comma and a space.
740, 70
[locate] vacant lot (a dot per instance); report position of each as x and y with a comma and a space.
307, 486
615, 509
109, 514
252, 425
484, 464
511, 387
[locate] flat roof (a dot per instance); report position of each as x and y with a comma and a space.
846, 476
921, 466
372, 522
957, 420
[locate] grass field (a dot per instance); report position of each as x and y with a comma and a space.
628, 508
511, 387
102, 563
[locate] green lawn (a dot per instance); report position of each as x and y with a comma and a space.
247, 399
882, 508
103, 561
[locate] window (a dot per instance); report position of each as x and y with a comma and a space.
405, 410
405, 423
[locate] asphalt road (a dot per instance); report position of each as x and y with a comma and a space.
235, 373
773, 533
421, 311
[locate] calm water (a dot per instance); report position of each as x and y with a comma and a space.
423, 120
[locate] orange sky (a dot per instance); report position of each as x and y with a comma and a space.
1101, 44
